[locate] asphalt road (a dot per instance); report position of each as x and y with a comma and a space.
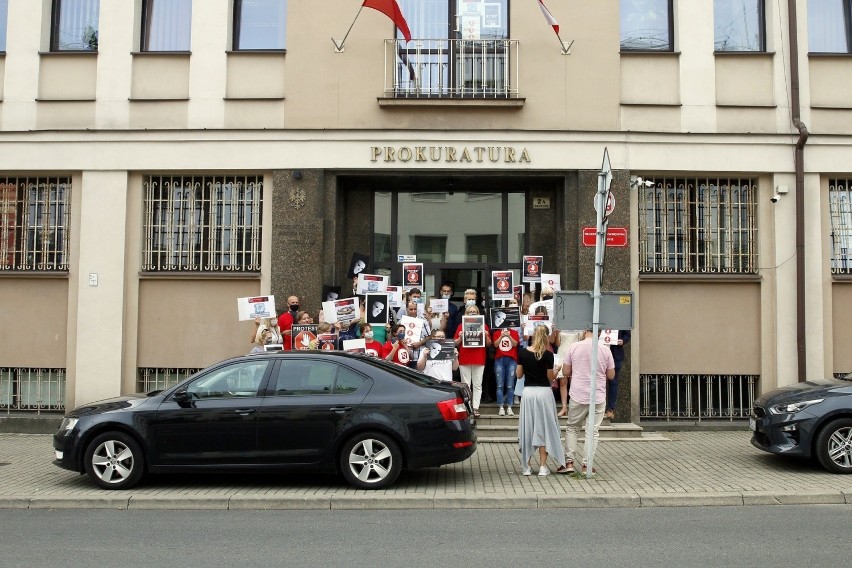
670, 536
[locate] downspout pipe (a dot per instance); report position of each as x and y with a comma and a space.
799, 160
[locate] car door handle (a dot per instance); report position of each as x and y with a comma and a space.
340, 409
244, 411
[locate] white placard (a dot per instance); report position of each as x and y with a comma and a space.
371, 284
256, 307
552, 280
356, 345
394, 296
439, 305
345, 310
609, 337
413, 328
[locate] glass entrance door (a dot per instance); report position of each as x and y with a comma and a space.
458, 235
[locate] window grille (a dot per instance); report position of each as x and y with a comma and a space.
840, 210
696, 397
698, 226
202, 224
158, 378
23, 388
34, 221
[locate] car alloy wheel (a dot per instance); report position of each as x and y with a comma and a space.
114, 460
834, 446
370, 461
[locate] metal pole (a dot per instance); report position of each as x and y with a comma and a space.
600, 244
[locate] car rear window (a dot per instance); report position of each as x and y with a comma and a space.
403, 372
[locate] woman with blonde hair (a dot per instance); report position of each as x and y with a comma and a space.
538, 427
261, 338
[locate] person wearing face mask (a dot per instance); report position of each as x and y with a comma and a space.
441, 369
472, 359
413, 295
373, 347
447, 290
437, 322
469, 299
415, 344
286, 320
271, 324
395, 350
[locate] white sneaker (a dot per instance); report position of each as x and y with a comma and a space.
509, 411
527, 471
542, 471
502, 412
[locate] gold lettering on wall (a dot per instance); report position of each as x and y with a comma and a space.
450, 154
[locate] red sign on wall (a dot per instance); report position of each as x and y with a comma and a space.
615, 236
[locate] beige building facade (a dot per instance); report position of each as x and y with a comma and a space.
148, 180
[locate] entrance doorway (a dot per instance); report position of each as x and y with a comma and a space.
458, 235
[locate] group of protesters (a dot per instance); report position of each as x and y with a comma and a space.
548, 364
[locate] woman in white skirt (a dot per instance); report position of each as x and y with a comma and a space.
538, 426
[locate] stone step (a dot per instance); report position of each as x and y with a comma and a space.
509, 430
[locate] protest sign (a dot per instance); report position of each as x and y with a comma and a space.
256, 307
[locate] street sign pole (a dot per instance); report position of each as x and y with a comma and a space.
604, 180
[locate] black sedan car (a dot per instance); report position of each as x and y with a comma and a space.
811, 419
363, 417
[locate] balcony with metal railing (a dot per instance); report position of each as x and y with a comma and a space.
452, 69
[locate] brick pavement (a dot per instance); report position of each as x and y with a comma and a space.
689, 468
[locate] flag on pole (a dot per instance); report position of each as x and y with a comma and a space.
391, 9
547, 16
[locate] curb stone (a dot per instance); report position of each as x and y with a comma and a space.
72, 502
486, 501
264, 503
14, 502
760, 498
812, 498
691, 499
178, 502
371, 502
585, 500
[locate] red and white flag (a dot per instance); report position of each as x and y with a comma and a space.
391, 9
547, 16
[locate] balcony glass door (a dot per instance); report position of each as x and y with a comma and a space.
459, 48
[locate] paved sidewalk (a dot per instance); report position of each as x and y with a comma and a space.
689, 468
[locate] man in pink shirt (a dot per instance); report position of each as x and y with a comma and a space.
576, 369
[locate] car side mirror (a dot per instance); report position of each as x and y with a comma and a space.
182, 397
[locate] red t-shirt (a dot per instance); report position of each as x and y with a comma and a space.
374, 348
285, 323
401, 357
471, 355
503, 347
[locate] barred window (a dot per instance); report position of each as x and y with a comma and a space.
840, 209
34, 222
159, 378
23, 388
698, 226
202, 223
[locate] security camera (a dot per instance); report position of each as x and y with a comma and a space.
775, 198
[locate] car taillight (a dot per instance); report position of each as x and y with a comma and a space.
453, 409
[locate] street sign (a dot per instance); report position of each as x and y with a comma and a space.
610, 204
406, 257
606, 170
573, 310
615, 236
